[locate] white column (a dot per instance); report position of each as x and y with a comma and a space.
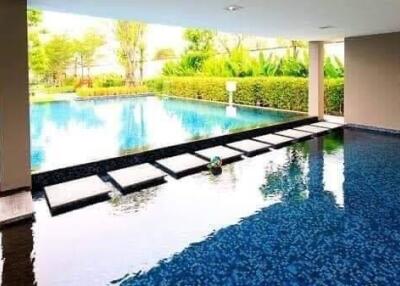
14, 97
316, 80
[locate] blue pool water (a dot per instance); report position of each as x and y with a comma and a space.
322, 212
72, 132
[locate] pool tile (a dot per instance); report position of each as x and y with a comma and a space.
312, 129
137, 176
294, 134
16, 207
226, 154
273, 139
249, 147
182, 165
76, 193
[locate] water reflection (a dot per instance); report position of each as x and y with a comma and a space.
74, 132
306, 225
17, 258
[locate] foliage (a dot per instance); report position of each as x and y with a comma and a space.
200, 49
277, 92
59, 54
130, 36
108, 80
34, 17
107, 91
333, 68
334, 96
164, 54
86, 49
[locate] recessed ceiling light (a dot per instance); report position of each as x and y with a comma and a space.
233, 8
327, 27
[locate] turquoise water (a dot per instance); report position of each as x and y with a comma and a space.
73, 132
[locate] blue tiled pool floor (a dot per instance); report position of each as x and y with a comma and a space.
307, 238
321, 212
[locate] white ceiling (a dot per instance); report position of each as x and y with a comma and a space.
296, 19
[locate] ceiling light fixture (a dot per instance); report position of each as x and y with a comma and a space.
233, 8
327, 27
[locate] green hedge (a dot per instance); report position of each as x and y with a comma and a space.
106, 91
289, 93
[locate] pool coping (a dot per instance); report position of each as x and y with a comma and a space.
101, 167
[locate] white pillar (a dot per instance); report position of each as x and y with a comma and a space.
316, 80
14, 97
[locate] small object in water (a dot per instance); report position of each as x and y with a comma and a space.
215, 165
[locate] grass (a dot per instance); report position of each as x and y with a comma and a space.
44, 97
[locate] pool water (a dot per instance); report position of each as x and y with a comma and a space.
322, 212
73, 132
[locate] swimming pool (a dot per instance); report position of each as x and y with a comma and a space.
74, 132
321, 212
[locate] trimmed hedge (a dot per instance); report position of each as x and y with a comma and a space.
290, 93
106, 91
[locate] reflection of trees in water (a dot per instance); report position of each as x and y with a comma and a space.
17, 247
287, 181
134, 202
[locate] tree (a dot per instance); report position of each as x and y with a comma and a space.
86, 50
34, 17
59, 54
130, 36
36, 54
164, 54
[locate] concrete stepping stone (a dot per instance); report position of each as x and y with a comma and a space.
273, 139
226, 154
136, 177
294, 134
328, 125
15, 208
249, 147
76, 193
182, 165
312, 129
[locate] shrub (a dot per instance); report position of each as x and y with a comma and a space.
289, 93
104, 91
108, 80
334, 96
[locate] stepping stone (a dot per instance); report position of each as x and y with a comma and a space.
137, 176
273, 139
16, 207
312, 129
328, 125
226, 154
77, 193
294, 134
249, 147
182, 165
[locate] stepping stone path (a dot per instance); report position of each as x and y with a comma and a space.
182, 165
137, 176
76, 193
249, 147
226, 154
16, 207
273, 139
312, 129
294, 134
328, 125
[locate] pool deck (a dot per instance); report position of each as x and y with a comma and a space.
75, 193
